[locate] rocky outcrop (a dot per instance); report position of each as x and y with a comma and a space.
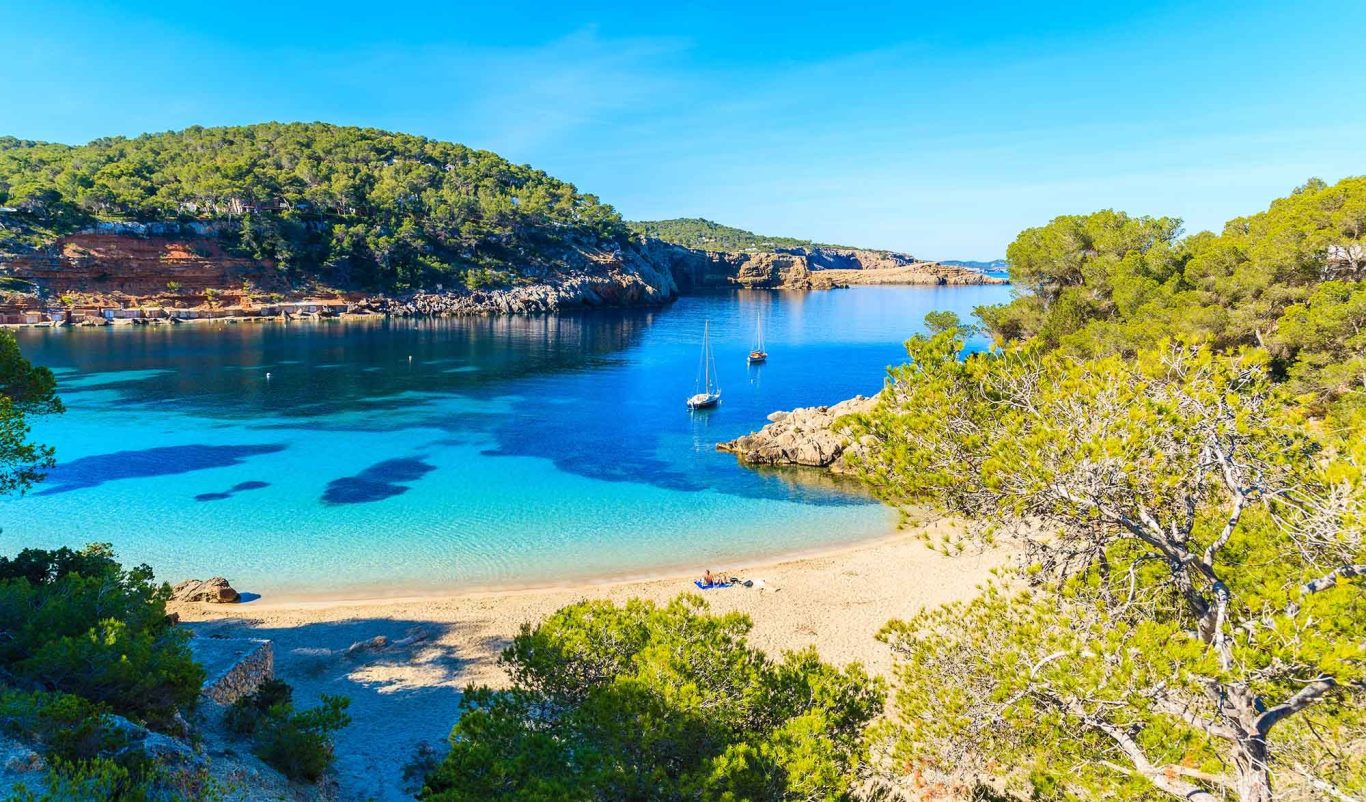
111, 262
828, 258
773, 271
80, 275
216, 590
633, 277
116, 271
927, 273
805, 436
821, 268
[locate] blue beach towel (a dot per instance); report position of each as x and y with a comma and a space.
712, 586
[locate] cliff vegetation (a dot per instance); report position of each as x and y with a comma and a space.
352, 207
704, 235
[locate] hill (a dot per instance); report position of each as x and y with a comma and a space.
706, 235
352, 207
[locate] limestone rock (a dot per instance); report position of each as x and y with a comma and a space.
774, 270
215, 590
165, 751
803, 436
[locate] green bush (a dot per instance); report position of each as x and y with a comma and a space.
79, 623
297, 743
67, 727
649, 702
99, 780
245, 714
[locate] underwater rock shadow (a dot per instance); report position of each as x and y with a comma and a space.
240, 487
376, 483
87, 472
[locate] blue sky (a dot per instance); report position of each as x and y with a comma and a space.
937, 128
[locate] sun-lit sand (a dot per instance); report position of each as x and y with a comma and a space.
402, 695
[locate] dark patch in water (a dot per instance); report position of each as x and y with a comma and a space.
240, 487
93, 471
376, 483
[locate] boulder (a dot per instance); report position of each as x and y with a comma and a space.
215, 590
167, 752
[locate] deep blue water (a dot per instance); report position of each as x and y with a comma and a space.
430, 456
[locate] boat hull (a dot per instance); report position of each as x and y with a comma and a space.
704, 400
756, 357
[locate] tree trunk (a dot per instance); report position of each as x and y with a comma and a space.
1250, 754
1254, 776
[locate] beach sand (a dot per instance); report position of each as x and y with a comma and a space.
404, 695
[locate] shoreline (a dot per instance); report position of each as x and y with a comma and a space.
901, 569
406, 690
291, 600
346, 305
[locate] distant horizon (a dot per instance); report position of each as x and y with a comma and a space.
921, 129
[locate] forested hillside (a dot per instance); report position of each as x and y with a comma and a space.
353, 206
705, 235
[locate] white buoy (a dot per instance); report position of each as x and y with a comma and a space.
267, 374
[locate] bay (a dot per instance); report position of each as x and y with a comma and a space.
350, 459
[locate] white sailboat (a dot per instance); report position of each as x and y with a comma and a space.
709, 394
758, 355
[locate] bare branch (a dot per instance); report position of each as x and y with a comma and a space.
1306, 696
1324, 786
1332, 577
1171, 707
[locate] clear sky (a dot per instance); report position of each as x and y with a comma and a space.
939, 128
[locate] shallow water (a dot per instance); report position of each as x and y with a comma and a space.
400, 457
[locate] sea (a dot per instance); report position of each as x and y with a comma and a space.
400, 457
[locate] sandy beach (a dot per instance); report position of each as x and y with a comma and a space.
403, 695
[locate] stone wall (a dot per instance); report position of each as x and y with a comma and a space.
234, 667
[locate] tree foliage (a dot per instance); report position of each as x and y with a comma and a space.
649, 702
1285, 279
80, 623
705, 235
296, 742
353, 205
25, 389
1194, 622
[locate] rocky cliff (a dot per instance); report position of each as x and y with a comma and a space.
823, 268
99, 269
805, 436
636, 276
125, 266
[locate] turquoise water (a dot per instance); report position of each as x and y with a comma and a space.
398, 457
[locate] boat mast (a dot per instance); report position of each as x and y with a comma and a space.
706, 357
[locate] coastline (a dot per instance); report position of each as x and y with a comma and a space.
408, 692
666, 572
900, 574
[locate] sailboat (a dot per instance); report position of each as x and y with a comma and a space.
758, 355
710, 394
